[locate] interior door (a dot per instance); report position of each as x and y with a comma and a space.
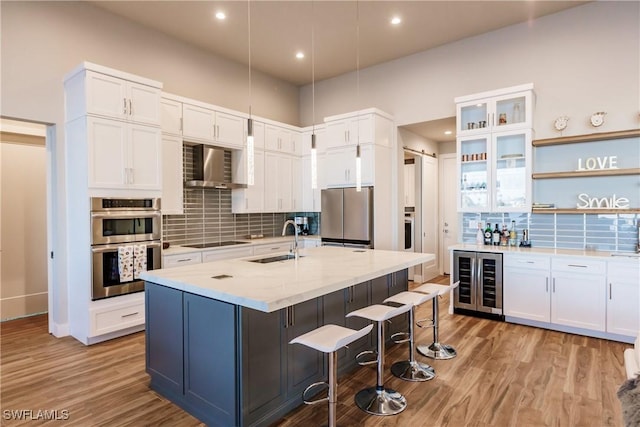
448, 210
430, 235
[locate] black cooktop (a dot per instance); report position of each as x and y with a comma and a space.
214, 244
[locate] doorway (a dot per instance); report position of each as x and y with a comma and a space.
24, 274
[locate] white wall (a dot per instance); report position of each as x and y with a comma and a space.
23, 235
581, 60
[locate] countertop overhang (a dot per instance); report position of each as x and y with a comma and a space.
270, 287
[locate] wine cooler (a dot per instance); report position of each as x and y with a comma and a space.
480, 289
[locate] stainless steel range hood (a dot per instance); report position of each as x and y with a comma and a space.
208, 169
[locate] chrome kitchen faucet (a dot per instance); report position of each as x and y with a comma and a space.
295, 239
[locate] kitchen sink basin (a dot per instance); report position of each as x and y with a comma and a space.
275, 258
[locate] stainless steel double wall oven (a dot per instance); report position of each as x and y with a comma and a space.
120, 223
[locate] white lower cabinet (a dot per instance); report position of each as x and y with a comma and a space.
623, 298
112, 315
221, 254
578, 293
178, 260
526, 287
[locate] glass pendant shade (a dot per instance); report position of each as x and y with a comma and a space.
250, 154
358, 169
314, 163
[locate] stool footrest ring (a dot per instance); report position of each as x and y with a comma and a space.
313, 402
361, 358
401, 337
424, 323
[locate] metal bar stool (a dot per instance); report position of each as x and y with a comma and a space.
379, 400
436, 350
411, 370
329, 339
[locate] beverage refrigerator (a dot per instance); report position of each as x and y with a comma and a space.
480, 289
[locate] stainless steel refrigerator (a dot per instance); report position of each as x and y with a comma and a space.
347, 217
480, 289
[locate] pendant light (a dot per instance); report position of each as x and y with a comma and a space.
250, 142
358, 158
314, 151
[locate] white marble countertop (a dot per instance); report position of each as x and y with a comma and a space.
177, 249
610, 256
270, 287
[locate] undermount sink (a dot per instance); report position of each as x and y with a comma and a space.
274, 258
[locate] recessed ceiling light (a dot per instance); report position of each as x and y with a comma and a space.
447, 132
299, 55
396, 20
221, 16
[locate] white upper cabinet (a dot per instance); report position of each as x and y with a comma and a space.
282, 140
494, 159
208, 126
123, 156
495, 111
341, 166
95, 90
278, 182
349, 131
171, 116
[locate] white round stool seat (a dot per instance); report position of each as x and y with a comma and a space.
380, 313
410, 297
329, 338
435, 288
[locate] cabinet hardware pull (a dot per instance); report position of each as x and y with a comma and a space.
554, 285
610, 295
547, 284
130, 108
183, 260
124, 109
129, 315
181, 123
293, 316
577, 265
286, 317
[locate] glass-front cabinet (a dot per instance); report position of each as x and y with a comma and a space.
494, 172
494, 134
496, 111
474, 173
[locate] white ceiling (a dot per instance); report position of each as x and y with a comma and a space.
343, 32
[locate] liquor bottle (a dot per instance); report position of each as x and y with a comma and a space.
480, 235
504, 236
513, 235
495, 236
487, 234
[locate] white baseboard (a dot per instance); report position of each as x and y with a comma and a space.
59, 330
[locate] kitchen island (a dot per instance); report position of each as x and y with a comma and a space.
217, 333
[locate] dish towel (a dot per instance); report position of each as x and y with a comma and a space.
139, 260
125, 263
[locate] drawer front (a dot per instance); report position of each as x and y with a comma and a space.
226, 254
170, 261
527, 261
267, 249
107, 320
579, 265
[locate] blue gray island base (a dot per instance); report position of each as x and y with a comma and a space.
229, 365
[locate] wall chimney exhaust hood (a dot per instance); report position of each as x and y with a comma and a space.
208, 169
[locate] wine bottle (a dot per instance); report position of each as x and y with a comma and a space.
480, 235
504, 236
495, 236
513, 234
487, 234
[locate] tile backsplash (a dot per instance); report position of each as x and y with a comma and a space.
208, 218
602, 232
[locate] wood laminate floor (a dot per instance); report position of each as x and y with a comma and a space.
504, 375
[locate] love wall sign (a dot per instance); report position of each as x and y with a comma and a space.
611, 202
